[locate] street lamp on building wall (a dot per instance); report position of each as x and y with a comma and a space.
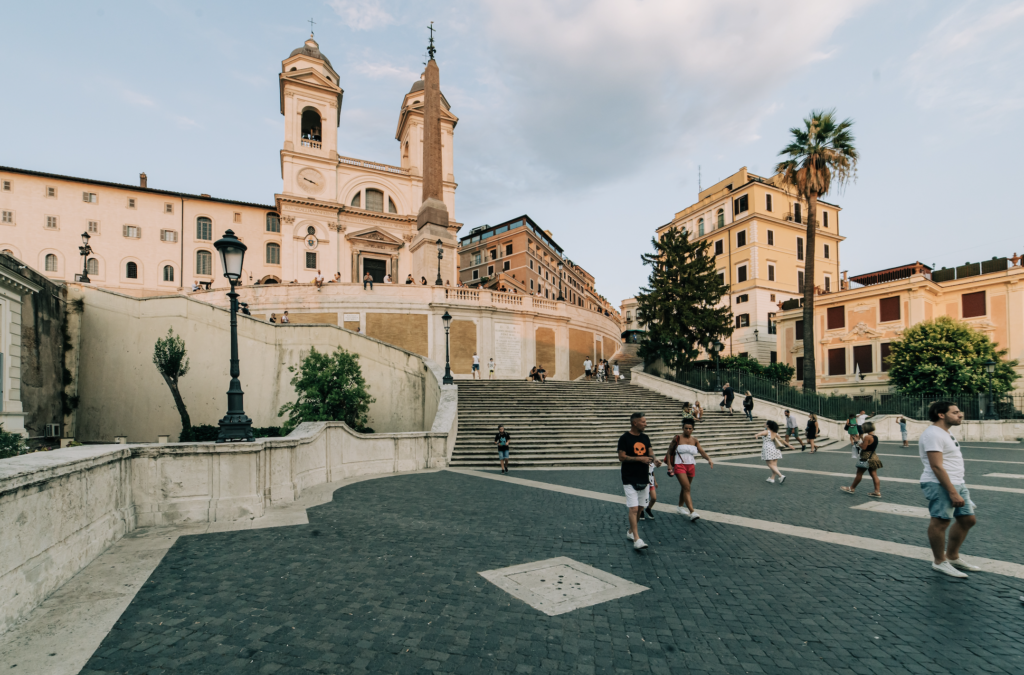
440, 254
560, 298
235, 425
85, 250
447, 379
990, 368
756, 331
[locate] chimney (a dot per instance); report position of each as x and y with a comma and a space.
142, 180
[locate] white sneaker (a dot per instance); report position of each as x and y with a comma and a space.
962, 564
639, 544
948, 569
682, 510
781, 478
770, 480
629, 535
694, 516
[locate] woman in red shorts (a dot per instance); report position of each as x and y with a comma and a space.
683, 465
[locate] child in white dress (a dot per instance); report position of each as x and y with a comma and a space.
770, 452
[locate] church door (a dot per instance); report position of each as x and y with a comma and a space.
376, 268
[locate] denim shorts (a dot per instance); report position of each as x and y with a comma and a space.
502, 454
940, 505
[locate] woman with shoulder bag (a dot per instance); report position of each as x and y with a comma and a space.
811, 432
681, 464
868, 461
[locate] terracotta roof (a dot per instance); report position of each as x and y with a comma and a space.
891, 274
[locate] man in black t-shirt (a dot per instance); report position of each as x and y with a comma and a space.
636, 456
501, 440
727, 397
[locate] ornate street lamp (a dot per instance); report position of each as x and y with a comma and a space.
715, 348
560, 298
756, 331
440, 255
85, 250
447, 379
990, 368
235, 425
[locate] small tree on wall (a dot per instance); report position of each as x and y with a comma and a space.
329, 387
680, 305
946, 356
171, 360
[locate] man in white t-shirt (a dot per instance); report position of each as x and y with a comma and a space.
588, 367
861, 419
476, 366
942, 482
318, 280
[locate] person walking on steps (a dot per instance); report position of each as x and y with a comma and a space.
501, 440
615, 373
476, 366
647, 513
812, 431
728, 395
748, 407
635, 454
770, 452
588, 366
868, 462
942, 482
490, 368
682, 464
792, 428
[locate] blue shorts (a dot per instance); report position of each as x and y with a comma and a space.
940, 505
476, 366
502, 454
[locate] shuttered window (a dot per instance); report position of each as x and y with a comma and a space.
836, 317
799, 248
204, 229
889, 309
767, 202
273, 254
837, 361
862, 358
799, 330
973, 304
800, 369
204, 263
883, 352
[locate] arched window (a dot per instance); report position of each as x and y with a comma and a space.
204, 263
357, 201
51, 262
273, 223
131, 271
700, 227
92, 266
273, 254
375, 201
204, 229
721, 218
391, 206
168, 273
311, 125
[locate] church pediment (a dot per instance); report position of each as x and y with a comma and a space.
376, 238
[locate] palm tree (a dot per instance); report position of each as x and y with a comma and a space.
821, 154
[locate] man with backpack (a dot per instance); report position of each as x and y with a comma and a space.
501, 439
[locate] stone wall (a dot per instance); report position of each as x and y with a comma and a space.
546, 351
581, 345
405, 331
463, 346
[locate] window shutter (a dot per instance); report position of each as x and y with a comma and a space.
973, 304
884, 354
799, 330
889, 309
836, 317
862, 358
124, 230
837, 361
800, 369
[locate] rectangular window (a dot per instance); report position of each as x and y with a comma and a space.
94, 227
739, 205
531, 284
824, 218
476, 274
800, 330
494, 254
531, 264
132, 232
168, 236
800, 369
477, 259
506, 265
719, 247
837, 361
799, 248
741, 274
973, 304
89, 197
7, 186
7, 217
826, 250
490, 270
743, 321
889, 309
744, 355
238, 217
771, 272
771, 238
773, 357
51, 222
797, 215
767, 202
828, 284
310, 260
800, 281
836, 317
51, 192
742, 298
508, 249
273, 223
168, 208
741, 239
862, 359
131, 202
883, 352
721, 278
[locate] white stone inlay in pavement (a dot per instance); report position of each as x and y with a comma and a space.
559, 585
1004, 475
895, 509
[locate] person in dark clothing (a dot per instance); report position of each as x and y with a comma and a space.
635, 455
728, 395
501, 440
748, 407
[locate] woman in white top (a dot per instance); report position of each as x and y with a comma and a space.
698, 412
615, 371
681, 460
770, 452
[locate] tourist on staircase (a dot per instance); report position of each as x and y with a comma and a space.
501, 439
748, 407
683, 465
635, 454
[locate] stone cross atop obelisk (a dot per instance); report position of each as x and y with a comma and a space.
432, 211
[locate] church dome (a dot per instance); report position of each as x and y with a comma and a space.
312, 50
416, 86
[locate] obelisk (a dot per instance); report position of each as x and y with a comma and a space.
432, 210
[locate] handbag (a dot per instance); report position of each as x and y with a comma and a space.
865, 463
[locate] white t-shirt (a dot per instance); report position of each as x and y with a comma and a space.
790, 422
476, 360
490, 364
861, 419
587, 365
935, 439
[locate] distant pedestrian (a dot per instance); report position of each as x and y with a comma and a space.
647, 513
748, 407
851, 428
476, 366
409, 280
367, 279
861, 419
688, 416
423, 281
615, 373
903, 430
635, 454
501, 439
588, 366
542, 375
682, 464
273, 318
245, 308
490, 368
727, 398
812, 431
942, 482
792, 428
284, 317
387, 279
337, 278
868, 462
600, 371
770, 452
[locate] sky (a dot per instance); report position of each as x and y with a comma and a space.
592, 117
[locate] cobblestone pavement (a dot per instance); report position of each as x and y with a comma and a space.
385, 579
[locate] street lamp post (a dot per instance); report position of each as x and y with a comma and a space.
990, 368
560, 298
440, 255
717, 347
235, 425
756, 331
447, 379
85, 250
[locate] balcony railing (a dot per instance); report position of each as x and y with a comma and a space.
310, 143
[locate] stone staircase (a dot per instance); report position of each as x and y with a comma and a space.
579, 423
626, 358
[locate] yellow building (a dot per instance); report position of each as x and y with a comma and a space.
853, 328
757, 230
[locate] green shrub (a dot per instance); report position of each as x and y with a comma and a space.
330, 387
206, 433
11, 444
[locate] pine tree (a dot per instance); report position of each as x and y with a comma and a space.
680, 305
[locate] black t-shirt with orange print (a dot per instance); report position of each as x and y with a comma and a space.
636, 445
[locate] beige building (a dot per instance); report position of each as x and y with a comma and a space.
334, 213
853, 328
757, 231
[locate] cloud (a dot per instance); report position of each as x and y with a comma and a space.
970, 62
376, 71
135, 98
362, 14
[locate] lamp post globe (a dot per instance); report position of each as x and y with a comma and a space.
990, 368
85, 250
440, 255
446, 318
235, 425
